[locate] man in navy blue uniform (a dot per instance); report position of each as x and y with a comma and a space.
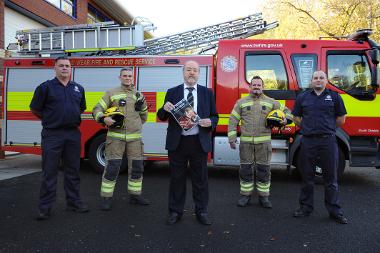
59, 103
189, 147
319, 111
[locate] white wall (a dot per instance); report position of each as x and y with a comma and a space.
14, 21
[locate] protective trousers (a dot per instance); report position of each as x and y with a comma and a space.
114, 154
255, 159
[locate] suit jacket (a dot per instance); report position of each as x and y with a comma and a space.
206, 108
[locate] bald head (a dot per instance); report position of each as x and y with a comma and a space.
319, 81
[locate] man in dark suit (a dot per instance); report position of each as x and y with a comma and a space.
189, 147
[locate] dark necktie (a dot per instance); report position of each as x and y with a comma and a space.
190, 97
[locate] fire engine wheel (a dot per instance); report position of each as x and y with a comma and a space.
96, 153
318, 170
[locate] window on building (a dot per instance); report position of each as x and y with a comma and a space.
304, 65
67, 6
270, 67
349, 71
95, 16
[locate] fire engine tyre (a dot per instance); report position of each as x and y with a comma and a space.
318, 172
96, 155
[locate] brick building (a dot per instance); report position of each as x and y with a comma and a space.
20, 14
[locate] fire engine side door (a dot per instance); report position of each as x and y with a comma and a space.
349, 73
20, 127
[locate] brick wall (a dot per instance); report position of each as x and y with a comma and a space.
52, 14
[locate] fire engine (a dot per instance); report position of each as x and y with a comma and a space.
286, 66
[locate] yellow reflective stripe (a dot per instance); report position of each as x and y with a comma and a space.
282, 107
123, 136
250, 103
108, 187
246, 187
160, 99
235, 114
223, 121
18, 101
267, 104
98, 115
134, 186
116, 135
255, 139
133, 136
118, 96
103, 104
263, 187
231, 133
151, 117
357, 108
134, 183
92, 98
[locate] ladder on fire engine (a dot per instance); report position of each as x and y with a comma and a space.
80, 38
129, 40
206, 38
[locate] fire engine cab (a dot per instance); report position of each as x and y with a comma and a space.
286, 67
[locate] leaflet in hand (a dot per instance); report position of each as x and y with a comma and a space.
185, 115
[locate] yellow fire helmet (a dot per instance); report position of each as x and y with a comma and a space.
275, 118
116, 115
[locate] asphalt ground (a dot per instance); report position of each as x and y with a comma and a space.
129, 228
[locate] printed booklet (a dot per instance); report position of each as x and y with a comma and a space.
185, 115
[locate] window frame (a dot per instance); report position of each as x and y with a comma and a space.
248, 53
294, 65
73, 4
347, 52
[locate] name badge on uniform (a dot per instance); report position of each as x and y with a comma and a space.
328, 98
76, 88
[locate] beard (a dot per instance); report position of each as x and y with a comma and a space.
191, 80
256, 92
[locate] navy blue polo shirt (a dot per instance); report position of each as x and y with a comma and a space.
319, 113
60, 106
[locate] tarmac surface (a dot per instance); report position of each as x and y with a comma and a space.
129, 228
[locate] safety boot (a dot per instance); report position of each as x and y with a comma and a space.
106, 203
264, 202
138, 200
244, 200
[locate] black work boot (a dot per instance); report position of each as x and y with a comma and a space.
138, 200
244, 200
264, 202
106, 204
43, 214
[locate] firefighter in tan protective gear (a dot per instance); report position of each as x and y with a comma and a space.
255, 141
124, 135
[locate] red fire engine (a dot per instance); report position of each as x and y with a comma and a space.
285, 65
